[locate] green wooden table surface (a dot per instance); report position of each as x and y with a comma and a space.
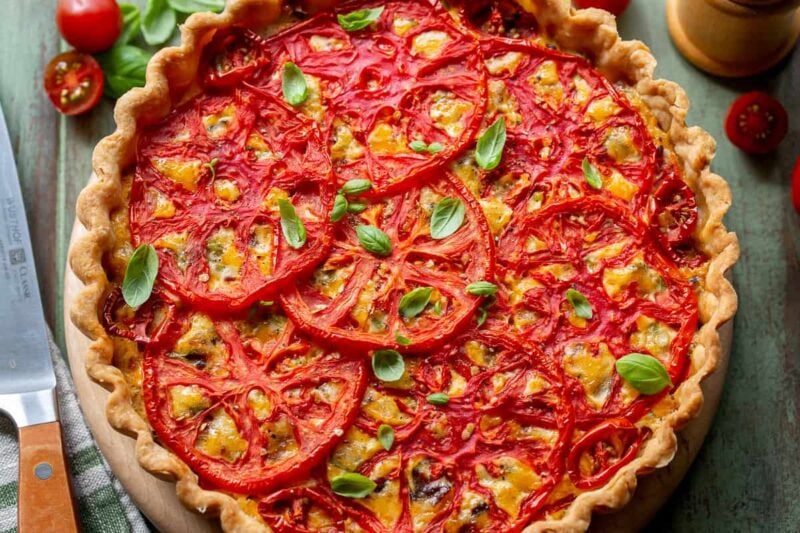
747, 476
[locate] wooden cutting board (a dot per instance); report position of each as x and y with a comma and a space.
157, 500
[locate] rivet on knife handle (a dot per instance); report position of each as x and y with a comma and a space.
45, 497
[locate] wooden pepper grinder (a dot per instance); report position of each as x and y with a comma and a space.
734, 38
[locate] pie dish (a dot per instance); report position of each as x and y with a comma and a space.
321, 201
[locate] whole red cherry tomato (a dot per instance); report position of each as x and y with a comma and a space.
756, 123
74, 82
796, 186
89, 25
615, 7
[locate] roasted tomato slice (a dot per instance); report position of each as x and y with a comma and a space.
415, 78
307, 509
756, 123
599, 453
490, 456
639, 301
143, 324
208, 190
73, 82
674, 209
235, 54
249, 404
796, 186
362, 296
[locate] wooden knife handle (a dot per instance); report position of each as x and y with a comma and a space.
45, 495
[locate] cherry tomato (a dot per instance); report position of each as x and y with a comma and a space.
756, 123
89, 25
74, 82
232, 56
615, 7
796, 186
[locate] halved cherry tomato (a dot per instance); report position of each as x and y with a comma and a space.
615, 7
249, 404
796, 186
674, 214
602, 451
143, 324
89, 25
756, 123
232, 56
74, 82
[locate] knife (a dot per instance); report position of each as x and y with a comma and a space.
27, 381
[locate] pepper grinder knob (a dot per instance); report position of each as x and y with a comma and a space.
734, 38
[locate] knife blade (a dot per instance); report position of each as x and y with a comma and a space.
27, 380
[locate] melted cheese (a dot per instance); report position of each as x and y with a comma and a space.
185, 173
330, 281
497, 214
313, 107
514, 482
384, 501
320, 43
176, 244
471, 514
518, 287
355, 449
504, 63
654, 337
429, 494
162, 206
345, 147
560, 271
619, 186
429, 44
218, 124
594, 371
187, 401
281, 442
547, 84
466, 169
479, 353
257, 145
501, 101
383, 408
620, 147
384, 139
448, 113
226, 190
259, 404
271, 200
224, 259
647, 280
582, 91
219, 437
600, 110
202, 347
402, 25
593, 259
262, 247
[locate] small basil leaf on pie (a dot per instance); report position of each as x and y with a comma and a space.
580, 304
340, 208
359, 19
482, 288
356, 186
386, 436
447, 217
644, 373
292, 226
414, 302
438, 398
294, 86
591, 174
490, 146
401, 340
388, 365
140, 275
374, 240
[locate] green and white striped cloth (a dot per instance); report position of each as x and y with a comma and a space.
103, 505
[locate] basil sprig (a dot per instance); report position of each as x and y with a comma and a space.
292, 226
388, 365
421, 146
413, 302
591, 174
124, 68
490, 146
645, 373
294, 86
482, 288
193, 6
360, 19
374, 240
131, 23
386, 436
356, 186
438, 398
339, 208
159, 22
580, 304
140, 275
352, 485
341, 205
447, 217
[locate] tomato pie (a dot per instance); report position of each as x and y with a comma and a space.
403, 265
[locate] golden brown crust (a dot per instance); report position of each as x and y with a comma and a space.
171, 74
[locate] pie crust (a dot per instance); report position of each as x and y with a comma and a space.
171, 74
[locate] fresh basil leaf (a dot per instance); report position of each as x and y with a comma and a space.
482, 288
212, 167
356, 207
435, 148
447, 218
295, 88
193, 6
437, 308
131, 23
413, 302
340, 207
386, 436
591, 174
580, 304
401, 340
292, 226
490, 146
438, 398
360, 19
159, 22
352, 485
374, 240
418, 146
356, 186
388, 365
124, 68
645, 373
481, 315
140, 275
